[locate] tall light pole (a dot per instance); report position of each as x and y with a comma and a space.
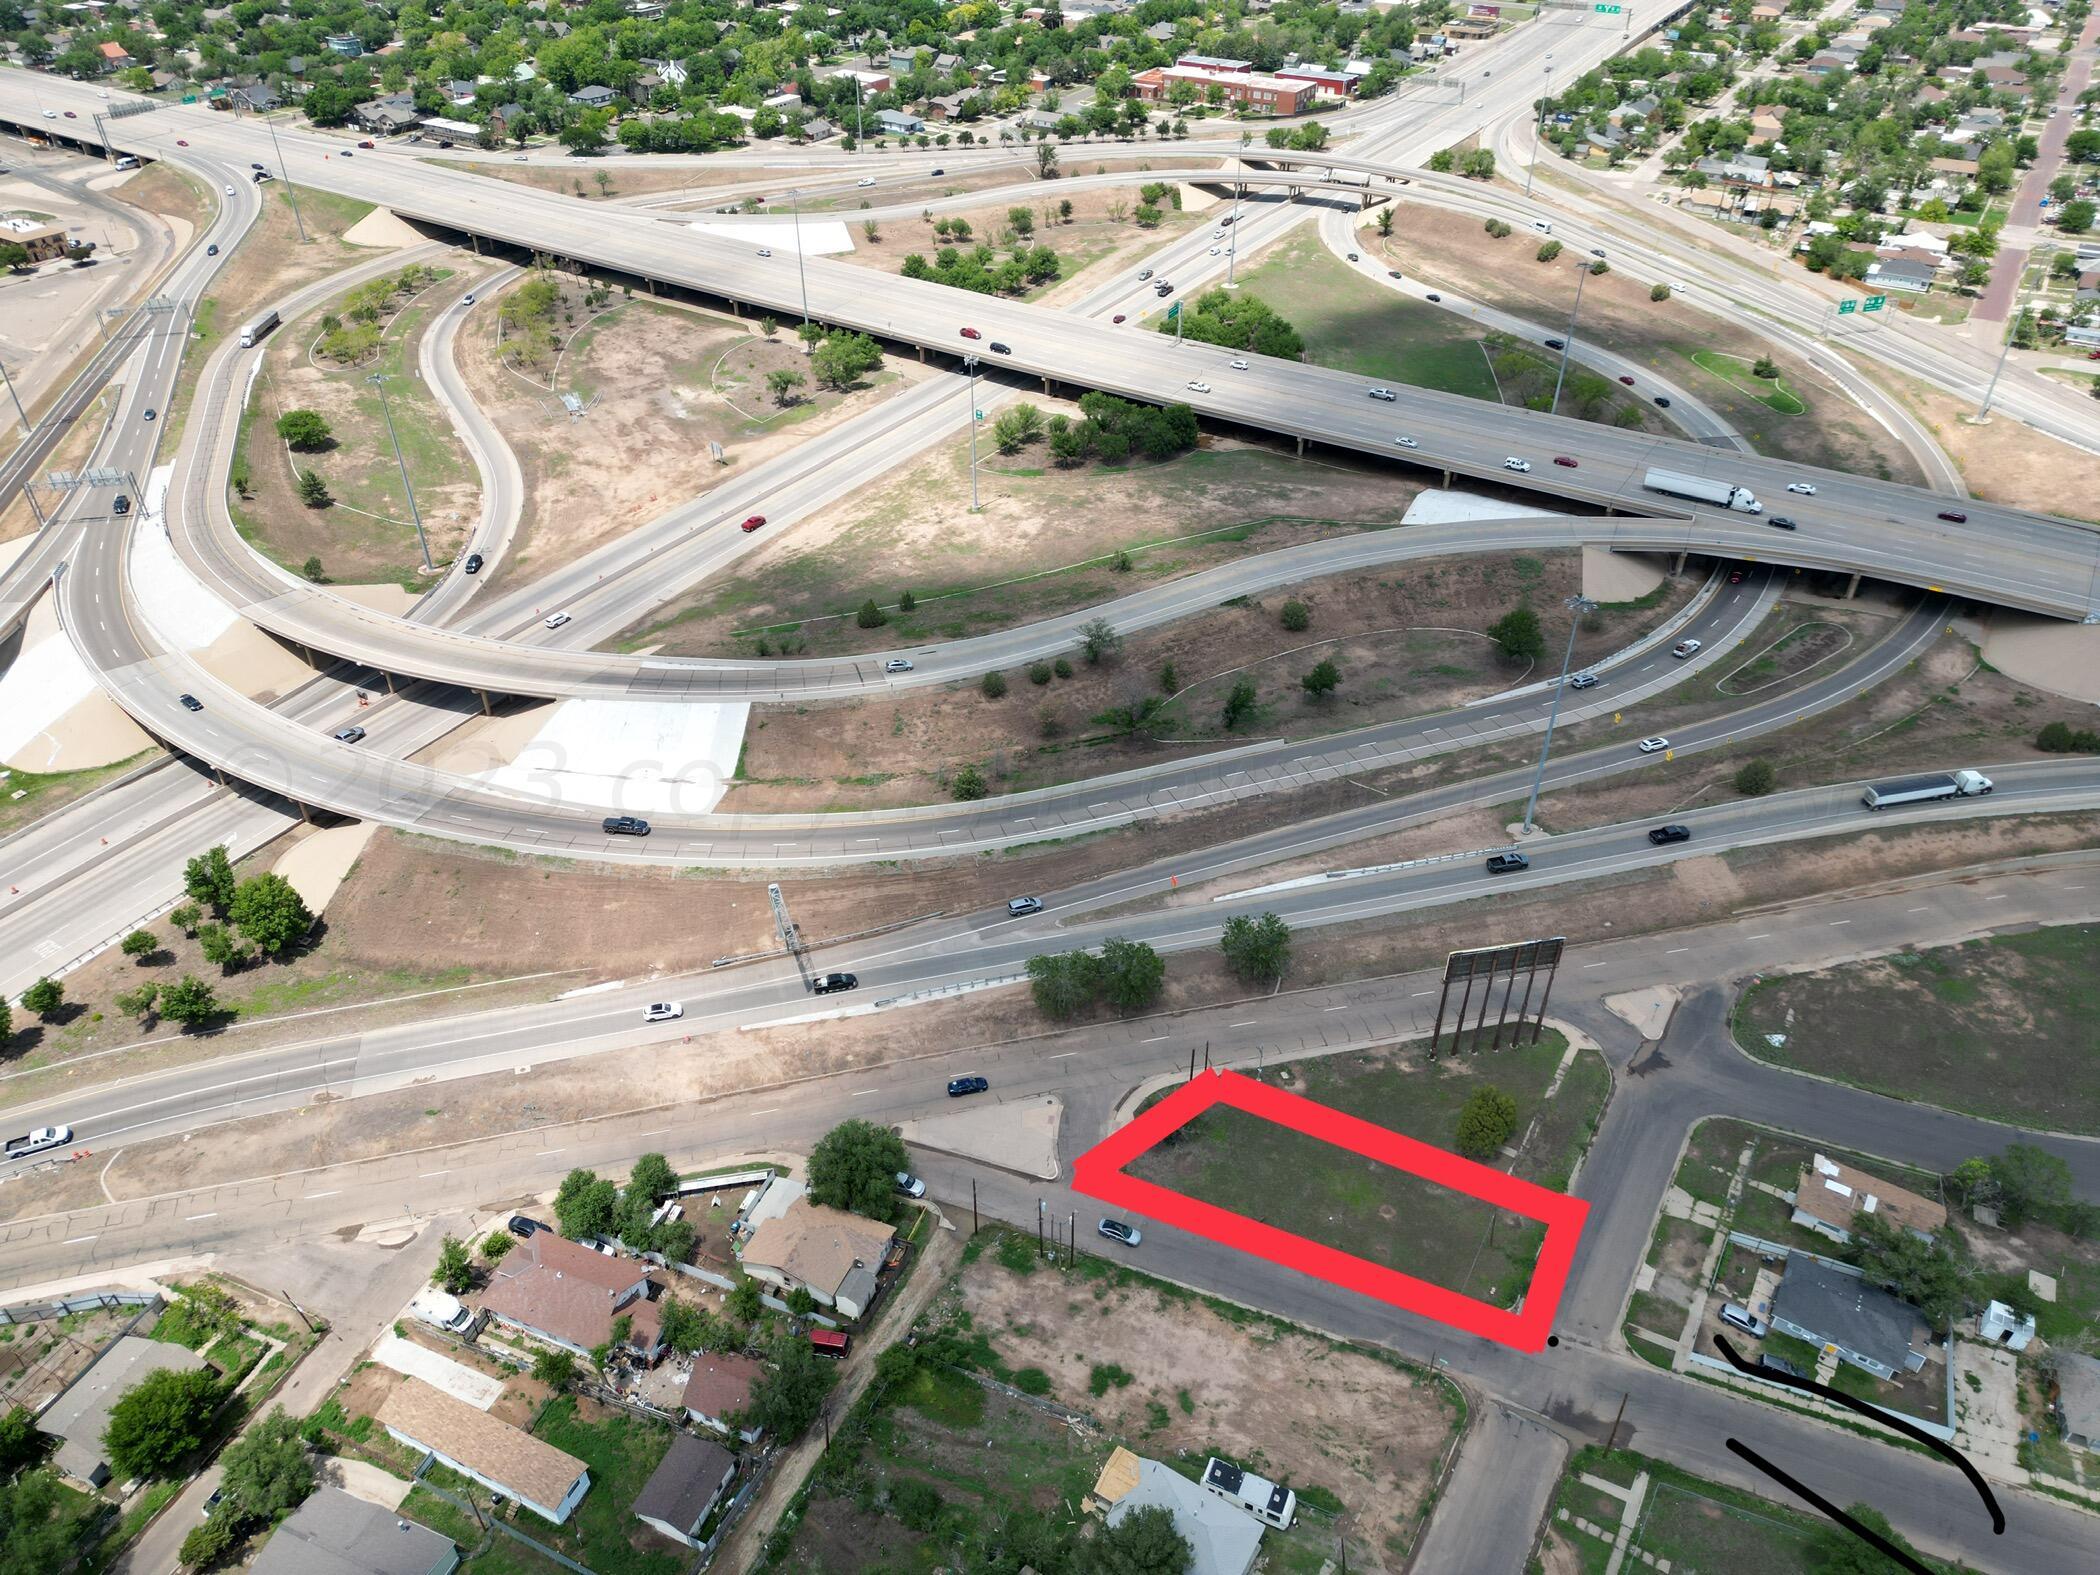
1539, 135
17, 398
1990, 392
1577, 606
795, 204
970, 366
1232, 241
1567, 345
292, 197
378, 381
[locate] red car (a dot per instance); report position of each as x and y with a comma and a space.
71, 116
1562, 459
1117, 318
971, 333
368, 144
1627, 381
2092, 355
754, 522
182, 142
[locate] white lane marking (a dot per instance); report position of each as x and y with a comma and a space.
312, 1197
1249, 1023
1062, 1054
191, 1218
861, 1093
1917, 910
1766, 936
767, 1111
2001, 897
1674, 950
1595, 965
1155, 1039
432, 1174
543, 1153
1834, 923
1342, 1008
74, 1241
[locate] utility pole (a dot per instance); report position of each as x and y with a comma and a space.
292, 197
378, 381
17, 398
1568, 345
1577, 606
795, 203
1539, 135
970, 366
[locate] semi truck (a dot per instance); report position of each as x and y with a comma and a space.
1725, 494
1920, 789
39, 1140
253, 333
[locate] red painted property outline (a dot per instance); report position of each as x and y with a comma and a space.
1100, 1173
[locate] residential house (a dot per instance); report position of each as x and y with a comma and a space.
257, 98
545, 1480
385, 116
1905, 278
1963, 168
595, 96
563, 1293
1830, 1195
460, 92
943, 108
1036, 120
1608, 141
903, 61
1761, 14
1766, 125
451, 130
1635, 110
1161, 32
2078, 1399
719, 1392
898, 123
79, 1416
114, 57
688, 1482
1831, 1306
2083, 336
335, 1534
2003, 79
1743, 170
1222, 1539
832, 1254
504, 119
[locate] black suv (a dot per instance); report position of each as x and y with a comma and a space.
624, 826
521, 1225
832, 983
1507, 863
473, 563
959, 1086
121, 505
1663, 834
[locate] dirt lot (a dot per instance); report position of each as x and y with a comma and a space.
1436, 246
1094, 235
1408, 641
366, 535
1289, 1404
2008, 461
662, 382
1043, 542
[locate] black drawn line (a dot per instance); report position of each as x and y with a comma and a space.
1802, 1490
1872, 1414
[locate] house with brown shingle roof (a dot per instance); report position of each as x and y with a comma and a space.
833, 1255
719, 1390
548, 1481
1830, 1196
564, 1293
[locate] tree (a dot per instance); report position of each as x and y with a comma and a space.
1256, 950
313, 491
2029, 1183
1764, 366
496, 1244
267, 1472
992, 685
189, 1001
1143, 1543
304, 429
1063, 983
1599, 267
1837, 1551
782, 383
854, 1167
14, 256
587, 132
208, 878
138, 1003
787, 1396
1046, 161
455, 1267
585, 1205
1239, 704
1098, 641
1147, 216
1660, 292
555, 1369
20, 1443
312, 569
1930, 1275
1548, 250
270, 912
184, 916
140, 944
37, 1527
1295, 616
158, 1422
1756, 778
1385, 220
968, 784
7, 1021
1478, 165
2075, 217
211, 1539
44, 997
1322, 680
1131, 974
1518, 634
1486, 1122
1022, 220
219, 946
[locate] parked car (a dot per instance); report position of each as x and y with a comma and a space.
191, 703
1583, 681
971, 333
1654, 746
348, 735
1385, 394
663, 1012
1662, 836
556, 620
833, 983
754, 522
1807, 489
218, 1497
1684, 648
624, 826
1018, 907
830, 1343
1507, 863
1514, 463
1562, 459
1116, 1230
473, 563
1954, 516
959, 1086
521, 1225
911, 1186
1742, 1318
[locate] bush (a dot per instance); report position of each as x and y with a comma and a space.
1062, 667
210, 1540
1548, 251
1039, 673
1661, 292
1098, 641
313, 491
1106, 1376
870, 616
496, 1243
1032, 1381
1756, 778
554, 1368
304, 429
1518, 634
1486, 1122
916, 1504
1295, 616
1239, 705
993, 685
2058, 738
906, 601
140, 943
1169, 680
312, 569
1322, 680
968, 784
44, 997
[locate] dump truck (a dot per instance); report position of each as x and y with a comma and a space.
1724, 494
1920, 789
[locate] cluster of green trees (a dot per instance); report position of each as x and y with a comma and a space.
1476, 164
527, 319
1112, 430
982, 270
1239, 321
1127, 975
589, 1205
2060, 738
855, 1167
840, 359
1309, 137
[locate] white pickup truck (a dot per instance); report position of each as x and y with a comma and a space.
39, 1140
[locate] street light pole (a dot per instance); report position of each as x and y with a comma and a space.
970, 366
378, 381
292, 197
17, 398
1539, 134
1232, 241
1568, 345
1577, 606
795, 204
1990, 391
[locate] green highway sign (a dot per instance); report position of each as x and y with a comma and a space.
1846, 307
1876, 302
1607, 10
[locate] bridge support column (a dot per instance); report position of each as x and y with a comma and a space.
305, 814
388, 679
1048, 389
1301, 448
1447, 479
922, 355
475, 241
1852, 587
1677, 564
487, 707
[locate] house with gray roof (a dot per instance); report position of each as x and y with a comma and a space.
1223, 1538
687, 1484
79, 1417
1827, 1304
2078, 1399
333, 1533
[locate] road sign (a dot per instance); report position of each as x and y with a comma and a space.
1607, 10
1173, 311
1846, 308
1875, 303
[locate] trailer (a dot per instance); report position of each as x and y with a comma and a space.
253, 332
1923, 789
1723, 494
